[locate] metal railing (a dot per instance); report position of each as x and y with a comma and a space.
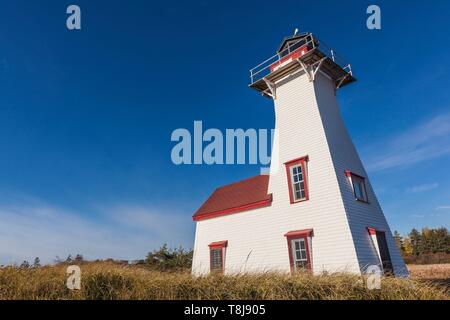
264, 68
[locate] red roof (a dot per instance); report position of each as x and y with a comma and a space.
240, 196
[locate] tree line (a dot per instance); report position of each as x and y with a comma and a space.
426, 244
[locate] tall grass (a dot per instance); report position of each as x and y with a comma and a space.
112, 281
430, 271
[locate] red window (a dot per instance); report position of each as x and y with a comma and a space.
359, 186
297, 175
217, 256
299, 249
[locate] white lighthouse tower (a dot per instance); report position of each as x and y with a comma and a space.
316, 210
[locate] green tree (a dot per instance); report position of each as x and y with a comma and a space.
416, 240
442, 240
399, 241
426, 241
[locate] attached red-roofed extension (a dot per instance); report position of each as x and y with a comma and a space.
240, 196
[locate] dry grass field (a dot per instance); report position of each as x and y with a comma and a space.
437, 274
113, 281
429, 271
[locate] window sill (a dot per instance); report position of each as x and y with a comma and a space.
362, 201
299, 201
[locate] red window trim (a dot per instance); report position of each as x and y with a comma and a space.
372, 231
288, 165
218, 245
297, 234
306, 232
349, 175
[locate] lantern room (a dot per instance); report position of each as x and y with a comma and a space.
300, 52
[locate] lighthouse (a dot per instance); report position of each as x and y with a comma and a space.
316, 211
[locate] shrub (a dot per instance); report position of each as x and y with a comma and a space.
165, 259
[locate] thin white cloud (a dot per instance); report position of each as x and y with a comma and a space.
429, 215
443, 208
422, 188
425, 141
28, 231
150, 220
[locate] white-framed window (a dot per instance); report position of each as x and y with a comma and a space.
297, 179
299, 254
298, 182
359, 186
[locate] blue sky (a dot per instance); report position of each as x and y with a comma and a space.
86, 116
